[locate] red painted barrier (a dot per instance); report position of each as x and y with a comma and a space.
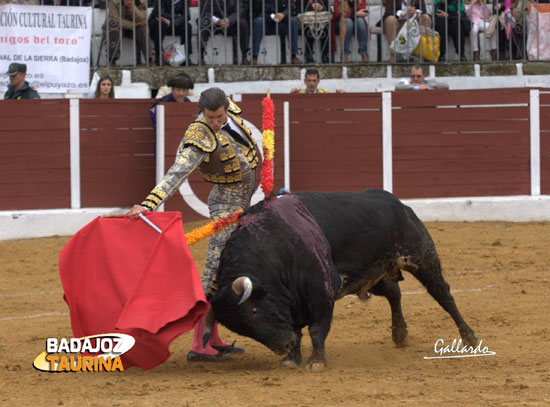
445, 144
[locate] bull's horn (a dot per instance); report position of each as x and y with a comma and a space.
208, 326
242, 285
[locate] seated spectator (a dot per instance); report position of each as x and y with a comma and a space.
180, 84
448, 16
496, 29
318, 30
225, 17
479, 14
537, 17
397, 12
19, 88
105, 88
53, 2
160, 24
312, 80
349, 16
29, 2
123, 12
418, 81
276, 16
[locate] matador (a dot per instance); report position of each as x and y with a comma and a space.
221, 146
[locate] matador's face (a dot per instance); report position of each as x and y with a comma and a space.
215, 118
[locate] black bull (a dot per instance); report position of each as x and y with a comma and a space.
292, 256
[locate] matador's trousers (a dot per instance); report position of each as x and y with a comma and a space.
224, 199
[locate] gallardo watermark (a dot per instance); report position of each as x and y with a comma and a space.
96, 353
459, 350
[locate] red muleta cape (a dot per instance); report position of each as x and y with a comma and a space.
120, 275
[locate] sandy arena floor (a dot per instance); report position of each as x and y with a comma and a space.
500, 276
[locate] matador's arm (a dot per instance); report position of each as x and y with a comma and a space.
187, 160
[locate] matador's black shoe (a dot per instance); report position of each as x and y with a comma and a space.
202, 357
229, 348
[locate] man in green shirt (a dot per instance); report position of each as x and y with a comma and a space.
450, 17
19, 88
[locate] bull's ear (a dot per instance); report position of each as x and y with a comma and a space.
259, 292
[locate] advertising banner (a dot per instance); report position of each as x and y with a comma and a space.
54, 43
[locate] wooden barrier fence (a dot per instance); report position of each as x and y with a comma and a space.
443, 144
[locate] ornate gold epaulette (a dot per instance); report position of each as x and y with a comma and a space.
233, 108
200, 135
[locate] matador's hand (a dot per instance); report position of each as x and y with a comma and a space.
135, 211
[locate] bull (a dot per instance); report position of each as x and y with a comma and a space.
292, 256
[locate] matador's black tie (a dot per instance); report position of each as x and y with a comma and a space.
236, 136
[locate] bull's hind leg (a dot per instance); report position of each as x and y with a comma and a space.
390, 290
294, 357
430, 275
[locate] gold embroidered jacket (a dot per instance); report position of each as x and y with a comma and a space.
217, 156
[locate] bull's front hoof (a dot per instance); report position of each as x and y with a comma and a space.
289, 363
316, 367
399, 336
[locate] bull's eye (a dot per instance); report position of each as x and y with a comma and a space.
254, 310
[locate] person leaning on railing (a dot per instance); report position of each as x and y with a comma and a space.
165, 90
311, 81
131, 14
396, 14
179, 86
418, 81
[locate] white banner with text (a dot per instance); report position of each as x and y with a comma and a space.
54, 43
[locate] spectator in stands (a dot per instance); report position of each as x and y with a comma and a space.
449, 15
275, 17
479, 14
167, 89
225, 17
29, 2
105, 88
180, 85
418, 81
514, 46
495, 29
161, 24
316, 29
55, 2
396, 14
131, 14
312, 80
19, 88
350, 16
